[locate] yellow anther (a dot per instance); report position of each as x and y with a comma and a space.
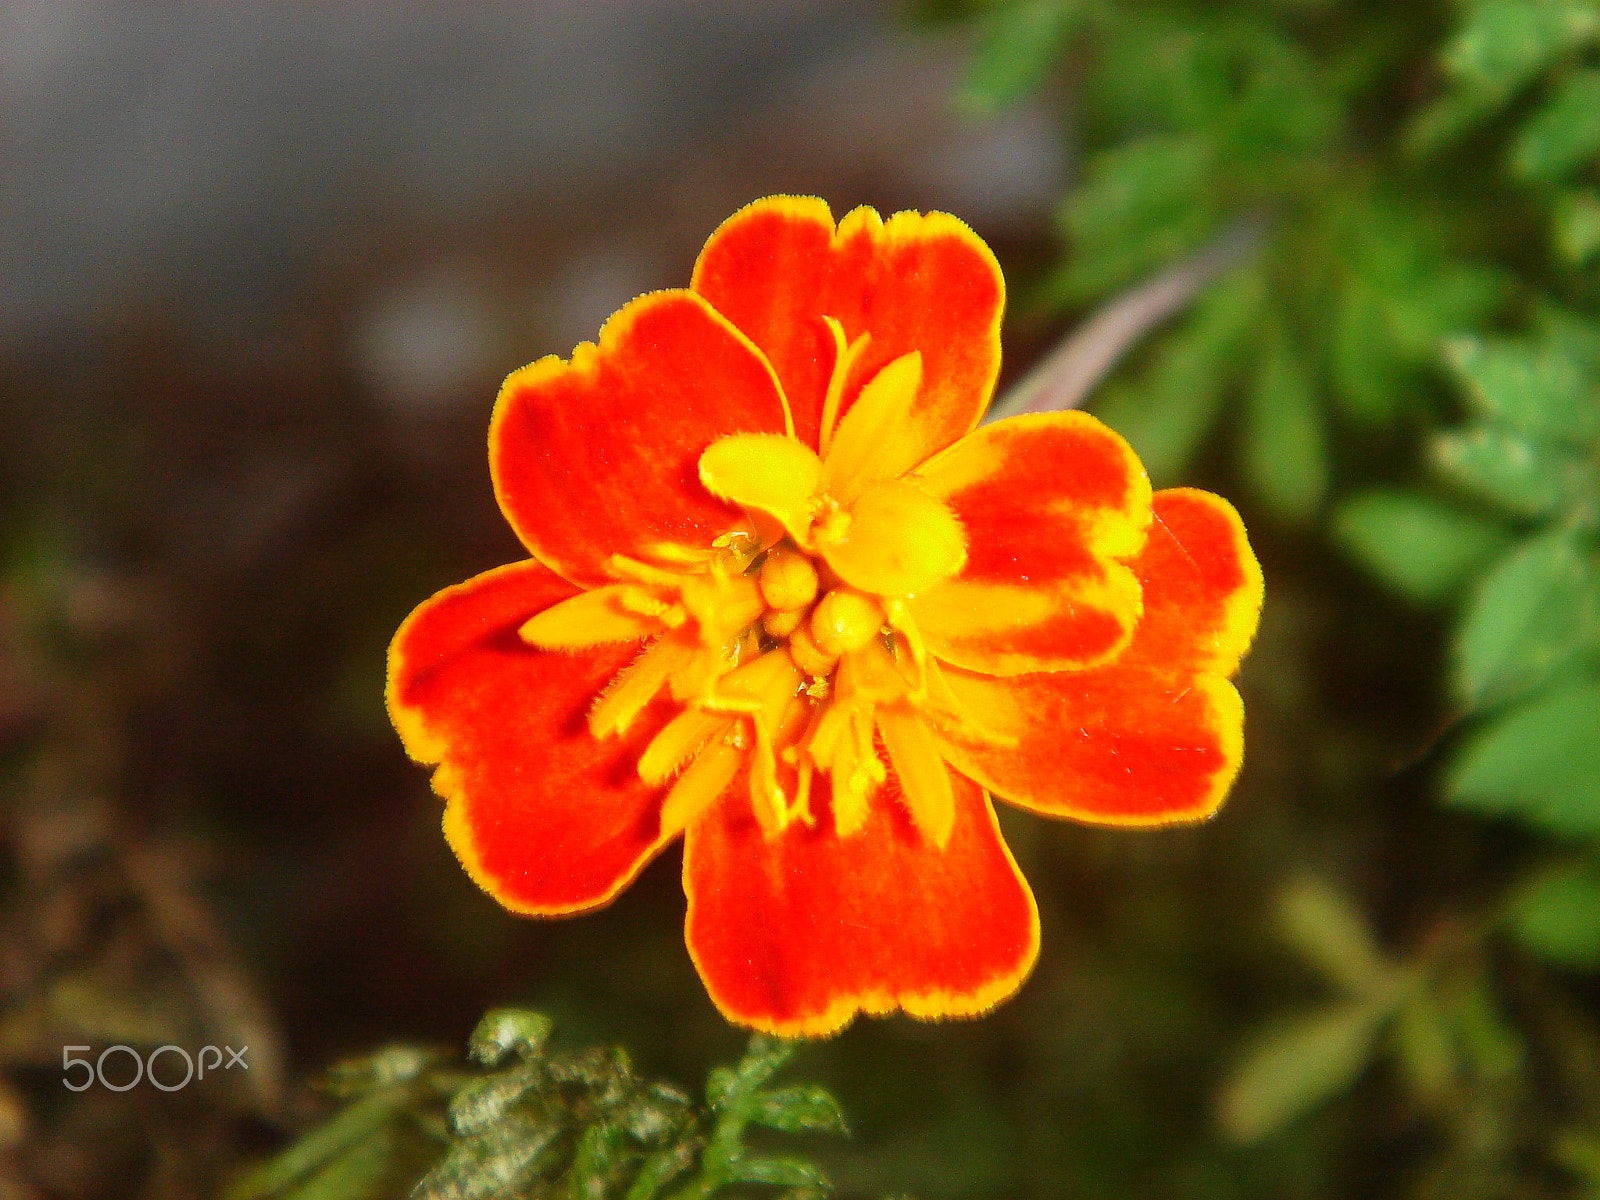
808, 656
788, 580
782, 624
845, 620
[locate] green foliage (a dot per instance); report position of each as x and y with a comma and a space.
1423, 548
1556, 914
527, 1120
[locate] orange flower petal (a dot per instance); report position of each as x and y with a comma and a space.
544, 817
1202, 586
1113, 745
1051, 503
1155, 736
778, 266
597, 456
797, 933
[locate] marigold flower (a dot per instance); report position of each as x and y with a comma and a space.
788, 601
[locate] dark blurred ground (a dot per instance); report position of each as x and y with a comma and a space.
262, 270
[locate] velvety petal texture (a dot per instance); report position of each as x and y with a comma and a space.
788, 601
545, 818
598, 456
1053, 504
797, 934
1157, 735
916, 282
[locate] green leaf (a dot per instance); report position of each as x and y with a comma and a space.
361, 1172
1171, 407
503, 1030
662, 1167
784, 1172
1296, 1067
1556, 915
1333, 935
1369, 379
1536, 390
1575, 226
484, 1101
1503, 44
495, 1163
1536, 610
1422, 548
1539, 762
1564, 134
1425, 1046
1526, 477
357, 1123
727, 1087
1141, 205
805, 1108
1018, 44
1285, 443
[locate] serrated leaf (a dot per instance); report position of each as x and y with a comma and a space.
1538, 762
1169, 410
491, 1164
1285, 442
1296, 1067
1526, 477
1534, 390
804, 1108
504, 1030
1422, 548
1018, 43
482, 1102
1575, 226
1556, 915
662, 1167
1334, 936
1502, 44
783, 1172
763, 1056
1564, 134
1536, 610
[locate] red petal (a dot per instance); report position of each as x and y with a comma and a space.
1157, 735
1052, 504
544, 817
778, 266
1202, 587
796, 934
1113, 746
600, 456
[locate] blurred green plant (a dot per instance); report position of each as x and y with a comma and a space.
528, 1120
1424, 292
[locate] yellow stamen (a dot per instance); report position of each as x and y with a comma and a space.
788, 580
809, 656
638, 684
782, 624
682, 737
845, 620
706, 778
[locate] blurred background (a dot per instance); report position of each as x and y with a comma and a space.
262, 270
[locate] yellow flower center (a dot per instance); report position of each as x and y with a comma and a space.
788, 643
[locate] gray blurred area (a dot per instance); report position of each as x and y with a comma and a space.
217, 154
